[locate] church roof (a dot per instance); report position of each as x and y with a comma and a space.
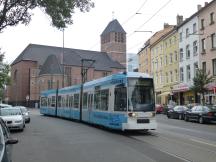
40, 53
51, 66
113, 26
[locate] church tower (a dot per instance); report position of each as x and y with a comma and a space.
113, 42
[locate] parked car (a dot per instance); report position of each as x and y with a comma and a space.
13, 118
201, 114
159, 108
5, 143
4, 105
25, 113
177, 112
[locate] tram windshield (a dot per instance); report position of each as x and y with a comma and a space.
141, 94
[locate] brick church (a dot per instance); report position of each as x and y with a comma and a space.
41, 67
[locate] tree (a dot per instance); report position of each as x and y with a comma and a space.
13, 12
200, 81
4, 75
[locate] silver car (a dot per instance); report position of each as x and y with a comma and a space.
4, 105
13, 118
25, 113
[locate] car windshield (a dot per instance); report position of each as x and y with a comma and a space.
141, 94
9, 112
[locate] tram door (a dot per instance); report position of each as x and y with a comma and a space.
90, 106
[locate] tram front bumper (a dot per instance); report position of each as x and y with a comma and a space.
133, 125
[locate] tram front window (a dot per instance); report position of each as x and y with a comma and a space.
141, 95
120, 99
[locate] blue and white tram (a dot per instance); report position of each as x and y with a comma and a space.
124, 101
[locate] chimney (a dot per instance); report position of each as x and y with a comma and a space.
199, 7
206, 3
166, 25
179, 19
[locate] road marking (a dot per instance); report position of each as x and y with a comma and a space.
174, 155
199, 141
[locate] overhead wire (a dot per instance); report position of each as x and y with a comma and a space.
137, 12
162, 7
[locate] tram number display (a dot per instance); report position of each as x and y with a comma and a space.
142, 120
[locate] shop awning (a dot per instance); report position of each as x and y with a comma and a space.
164, 94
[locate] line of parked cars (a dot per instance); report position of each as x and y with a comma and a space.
198, 113
11, 118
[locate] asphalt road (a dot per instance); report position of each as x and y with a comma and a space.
48, 139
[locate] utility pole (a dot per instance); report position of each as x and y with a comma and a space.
83, 80
63, 59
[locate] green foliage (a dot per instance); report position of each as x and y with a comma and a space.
201, 80
13, 12
4, 73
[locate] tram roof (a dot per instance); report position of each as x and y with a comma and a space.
104, 80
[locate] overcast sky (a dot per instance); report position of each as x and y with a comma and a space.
87, 27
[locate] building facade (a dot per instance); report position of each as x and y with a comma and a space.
207, 41
188, 59
41, 67
158, 63
169, 66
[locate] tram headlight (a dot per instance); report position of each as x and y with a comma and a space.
132, 114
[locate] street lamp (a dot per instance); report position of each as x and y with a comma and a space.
83, 75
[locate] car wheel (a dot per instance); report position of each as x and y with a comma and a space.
180, 116
201, 120
185, 118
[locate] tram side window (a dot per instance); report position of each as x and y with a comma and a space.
44, 101
63, 101
59, 101
120, 99
97, 99
76, 100
90, 100
85, 97
104, 99
49, 102
67, 101
53, 101
101, 99
70, 101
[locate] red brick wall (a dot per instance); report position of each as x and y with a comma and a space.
20, 87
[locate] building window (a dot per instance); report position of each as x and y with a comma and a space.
195, 68
166, 62
188, 51
49, 83
204, 67
202, 24
203, 45
176, 75
188, 73
211, 18
171, 56
194, 28
161, 62
187, 32
170, 42
167, 78
195, 48
214, 66
213, 40
181, 54
180, 37
171, 76
176, 56
181, 74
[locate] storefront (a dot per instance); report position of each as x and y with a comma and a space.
210, 95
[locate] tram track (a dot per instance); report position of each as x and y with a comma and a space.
169, 156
